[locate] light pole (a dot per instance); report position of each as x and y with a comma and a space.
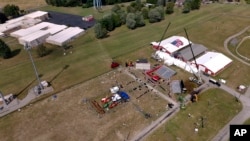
40, 86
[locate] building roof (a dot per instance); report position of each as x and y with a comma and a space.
35, 38
214, 61
165, 72
175, 86
186, 53
172, 44
51, 28
36, 14
65, 35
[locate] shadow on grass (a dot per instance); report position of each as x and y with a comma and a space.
25, 88
15, 52
64, 68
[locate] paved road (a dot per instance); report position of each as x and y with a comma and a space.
17, 104
232, 37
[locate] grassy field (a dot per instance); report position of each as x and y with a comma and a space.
210, 26
244, 48
247, 122
23, 4
215, 112
90, 53
70, 115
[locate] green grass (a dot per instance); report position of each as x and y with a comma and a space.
216, 107
244, 48
247, 121
92, 57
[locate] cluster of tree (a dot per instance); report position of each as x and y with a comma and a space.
191, 5
11, 10
247, 1
64, 3
5, 51
3, 18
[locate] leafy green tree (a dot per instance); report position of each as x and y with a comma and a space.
195, 4
11, 10
170, 8
152, 1
116, 19
5, 51
130, 21
160, 9
154, 15
145, 12
122, 14
187, 7
130, 9
139, 19
108, 22
3, 18
115, 8
100, 32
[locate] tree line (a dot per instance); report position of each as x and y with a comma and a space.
135, 14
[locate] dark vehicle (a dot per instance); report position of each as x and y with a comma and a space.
214, 82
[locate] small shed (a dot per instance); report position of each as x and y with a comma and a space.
142, 64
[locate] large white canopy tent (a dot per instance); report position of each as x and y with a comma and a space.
213, 62
172, 44
45, 26
65, 36
35, 38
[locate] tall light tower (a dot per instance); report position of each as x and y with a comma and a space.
40, 86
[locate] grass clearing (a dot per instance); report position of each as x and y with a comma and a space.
88, 51
210, 26
244, 48
23, 4
214, 105
46, 119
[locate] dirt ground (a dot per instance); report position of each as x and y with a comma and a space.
70, 115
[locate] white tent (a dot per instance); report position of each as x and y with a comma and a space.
35, 38
42, 15
65, 36
172, 44
213, 62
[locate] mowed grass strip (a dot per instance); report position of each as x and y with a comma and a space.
215, 106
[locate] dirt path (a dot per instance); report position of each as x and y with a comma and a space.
230, 38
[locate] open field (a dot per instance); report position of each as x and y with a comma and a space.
244, 48
215, 106
24, 4
55, 119
70, 115
247, 122
122, 44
